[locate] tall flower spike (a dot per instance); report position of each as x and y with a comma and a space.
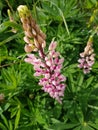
87, 57
34, 37
48, 65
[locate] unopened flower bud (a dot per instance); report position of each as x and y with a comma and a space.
42, 35
28, 34
31, 29
40, 39
11, 19
29, 48
31, 96
36, 43
34, 32
26, 39
52, 45
44, 44
23, 11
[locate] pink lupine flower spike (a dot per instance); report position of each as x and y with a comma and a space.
50, 68
87, 57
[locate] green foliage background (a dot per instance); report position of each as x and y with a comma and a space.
25, 105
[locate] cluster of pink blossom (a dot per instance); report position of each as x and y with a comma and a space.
87, 58
49, 67
86, 63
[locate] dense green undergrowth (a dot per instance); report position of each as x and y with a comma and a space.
23, 105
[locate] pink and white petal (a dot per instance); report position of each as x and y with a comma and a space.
52, 45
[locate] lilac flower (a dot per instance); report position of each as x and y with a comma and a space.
49, 67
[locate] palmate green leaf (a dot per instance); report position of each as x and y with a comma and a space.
39, 117
86, 128
17, 117
7, 125
57, 111
77, 128
1, 5
10, 58
95, 66
70, 126
7, 24
3, 53
71, 112
96, 120
71, 83
90, 3
68, 42
63, 126
10, 38
0, 16
11, 77
30, 105
70, 69
94, 1
93, 96
42, 17
93, 125
6, 106
67, 104
2, 126
1, 110
89, 81
4, 88
95, 86
68, 8
80, 79
49, 7
10, 125
13, 112
4, 120
79, 114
